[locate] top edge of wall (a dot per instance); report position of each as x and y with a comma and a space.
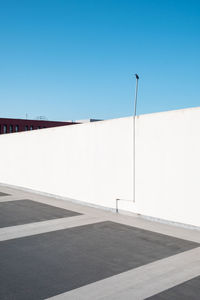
101, 122
62, 127
169, 111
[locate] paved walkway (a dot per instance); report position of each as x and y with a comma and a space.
57, 249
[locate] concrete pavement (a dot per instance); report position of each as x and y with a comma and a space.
65, 250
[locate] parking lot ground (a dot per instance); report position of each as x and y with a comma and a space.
59, 249
28, 211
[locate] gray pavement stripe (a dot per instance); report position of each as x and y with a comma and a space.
141, 282
13, 232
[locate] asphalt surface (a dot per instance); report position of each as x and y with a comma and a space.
54, 248
27, 211
41, 266
3, 194
185, 291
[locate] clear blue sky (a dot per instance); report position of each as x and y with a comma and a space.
75, 59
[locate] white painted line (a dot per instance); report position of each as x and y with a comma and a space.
11, 198
19, 231
141, 282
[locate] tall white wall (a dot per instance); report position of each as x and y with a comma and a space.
168, 165
94, 163
89, 162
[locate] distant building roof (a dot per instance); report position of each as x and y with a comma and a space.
9, 125
88, 120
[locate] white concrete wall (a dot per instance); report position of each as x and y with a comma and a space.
89, 162
168, 165
94, 163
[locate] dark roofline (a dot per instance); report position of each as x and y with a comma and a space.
38, 121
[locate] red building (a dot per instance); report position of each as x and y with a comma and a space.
17, 125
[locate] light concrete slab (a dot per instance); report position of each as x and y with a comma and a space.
19, 231
11, 198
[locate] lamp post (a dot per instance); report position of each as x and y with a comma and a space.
134, 117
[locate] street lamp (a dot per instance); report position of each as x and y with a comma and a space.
135, 110
136, 92
134, 117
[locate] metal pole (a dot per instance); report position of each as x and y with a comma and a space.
134, 117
